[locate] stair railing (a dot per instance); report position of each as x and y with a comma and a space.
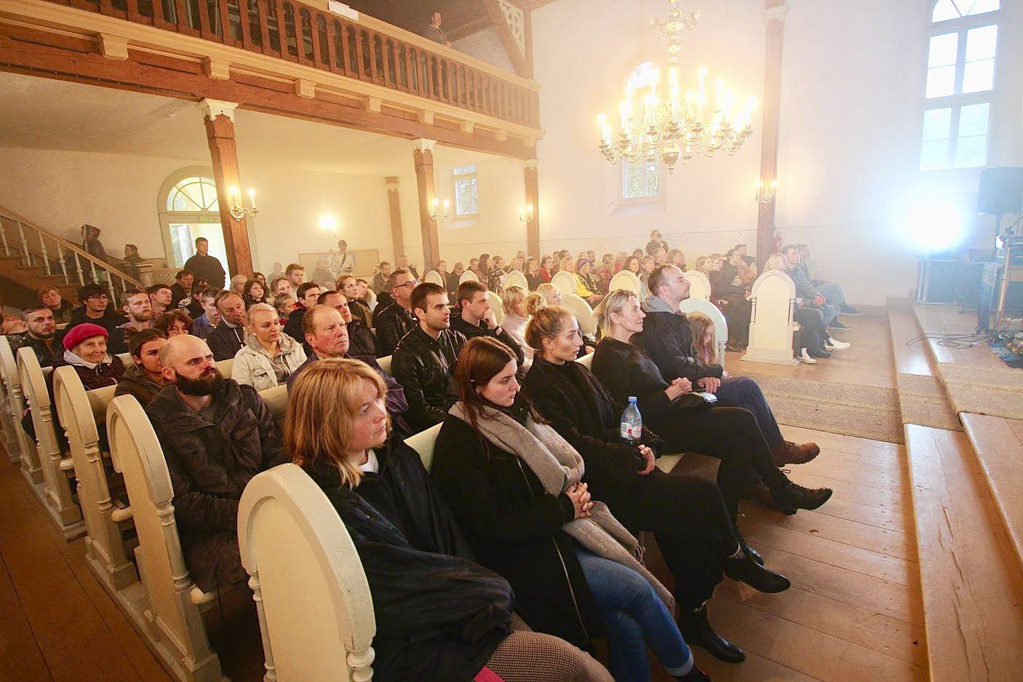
68, 263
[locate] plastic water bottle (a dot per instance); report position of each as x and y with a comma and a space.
632, 423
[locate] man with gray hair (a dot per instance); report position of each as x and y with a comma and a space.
216, 435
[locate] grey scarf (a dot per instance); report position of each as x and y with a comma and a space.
559, 466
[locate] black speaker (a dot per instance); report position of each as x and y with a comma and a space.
1001, 191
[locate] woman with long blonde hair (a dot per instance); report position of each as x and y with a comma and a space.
440, 617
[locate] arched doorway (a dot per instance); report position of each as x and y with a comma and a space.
188, 209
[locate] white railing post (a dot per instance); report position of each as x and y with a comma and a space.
24, 243
110, 287
78, 264
46, 259
92, 267
63, 265
3, 235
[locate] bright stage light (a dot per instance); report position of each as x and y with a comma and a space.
933, 226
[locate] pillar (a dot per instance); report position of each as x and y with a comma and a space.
770, 125
531, 176
219, 120
422, 155
394, 205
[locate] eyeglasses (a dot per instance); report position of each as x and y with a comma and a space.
412, 285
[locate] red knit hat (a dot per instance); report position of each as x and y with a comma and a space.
81, 332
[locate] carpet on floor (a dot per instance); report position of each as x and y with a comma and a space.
922, 400
983, 390
848, 409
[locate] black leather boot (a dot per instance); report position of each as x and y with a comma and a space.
746, 570
694, 675
795, 496
696, 630
743, 545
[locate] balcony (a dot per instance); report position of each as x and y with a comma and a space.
280, 56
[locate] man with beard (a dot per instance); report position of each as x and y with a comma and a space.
216, 435
41, 336
138, 306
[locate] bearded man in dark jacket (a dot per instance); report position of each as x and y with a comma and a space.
216, 435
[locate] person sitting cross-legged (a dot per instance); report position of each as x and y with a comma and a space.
216, 434
667, 339
422, 361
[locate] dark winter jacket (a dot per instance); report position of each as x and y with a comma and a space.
210, 462
515, 528
423, 367
581, 410
361, 342
471, 331
392, 324
48, 356
208, 268
225, 341
667, 339
439, 617
109, 321
139, 384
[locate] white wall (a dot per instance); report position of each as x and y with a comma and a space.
850, 124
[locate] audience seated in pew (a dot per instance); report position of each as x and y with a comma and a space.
667, 340
361, 341
95, 309
352, 290
694, 531
423, 360
308, 295
813, 332
216, 434
181, 290
254, 292
473, 317
174, 322
515, 487
516, 317
439, 615
145, 378
731, 296
228, 337
205, 323
40, 335
396, 320
807, 291
686, 420
61, 308
269, 355
160, 297
138, 307
831, 291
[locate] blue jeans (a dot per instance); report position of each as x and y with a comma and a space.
634, 616
833, 292
745, 392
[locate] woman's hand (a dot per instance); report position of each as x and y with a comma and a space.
678, 387
648, 460
580, 496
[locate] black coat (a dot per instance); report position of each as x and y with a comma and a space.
225, 342
667, 339
110, 320
515, 528
392, 324
361, 342
208, 268
210, 463
581, 410
439, 617
423, 367
471, 331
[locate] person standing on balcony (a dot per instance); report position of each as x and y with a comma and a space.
433, 32
204, 266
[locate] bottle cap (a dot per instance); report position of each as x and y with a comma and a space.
632, 399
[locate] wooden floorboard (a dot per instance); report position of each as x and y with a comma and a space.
20, 657
913, 358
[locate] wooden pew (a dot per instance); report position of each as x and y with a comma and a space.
81, 413
516, 279
467, 276
29, 458
314, 604
582, 311
59, 499
497, 305
423, 443
434, 277
702, 305
8, 428
699, 285
385, 363
626, 280
771, 324
565, 282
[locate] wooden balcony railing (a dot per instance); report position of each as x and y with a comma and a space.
306, 35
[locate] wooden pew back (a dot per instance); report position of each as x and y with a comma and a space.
30, 468
699, 285
771, 324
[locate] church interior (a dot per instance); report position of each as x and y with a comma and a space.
869, 288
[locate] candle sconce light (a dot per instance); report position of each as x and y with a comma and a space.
238, 210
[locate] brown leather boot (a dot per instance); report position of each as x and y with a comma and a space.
791, 453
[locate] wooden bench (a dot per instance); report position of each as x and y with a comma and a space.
313, 600
8, 433
58, 476
771, 323
702, 305
565, 282
583, 313
434, 277
699, 285
28, 456
627, 280
516, 279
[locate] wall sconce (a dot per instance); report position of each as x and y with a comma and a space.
435, 212
328, 224
238, 211
527, 214
762, 197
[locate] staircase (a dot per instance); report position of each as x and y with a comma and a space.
33, 258
967, 513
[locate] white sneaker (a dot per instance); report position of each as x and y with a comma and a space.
805, 357
834, 344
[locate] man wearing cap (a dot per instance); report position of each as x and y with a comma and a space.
95, 309
216, 435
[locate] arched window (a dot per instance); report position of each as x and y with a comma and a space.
188, 209
960, 81
642, 179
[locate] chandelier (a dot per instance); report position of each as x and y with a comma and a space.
671, 123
